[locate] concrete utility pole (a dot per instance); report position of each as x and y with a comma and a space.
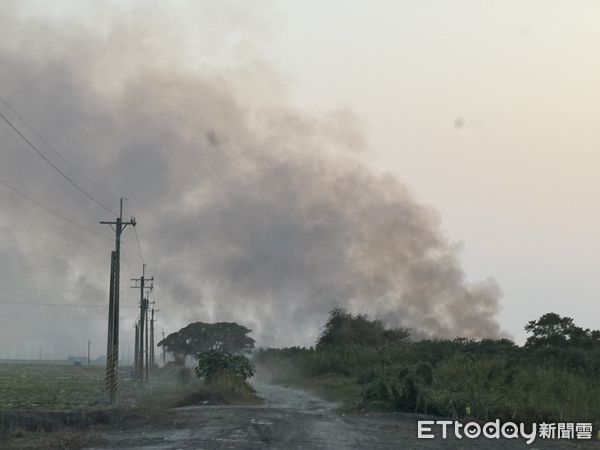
146, 342
112, 349
89, 352
164, 350
142, 284
136, 350
109, 378
152, 320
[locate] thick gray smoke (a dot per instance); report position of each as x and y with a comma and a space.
248, 209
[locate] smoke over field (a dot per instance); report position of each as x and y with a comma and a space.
249, 209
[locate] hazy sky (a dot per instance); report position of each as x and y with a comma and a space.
518, 182
486, 110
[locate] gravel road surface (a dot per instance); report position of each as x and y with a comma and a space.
293, 419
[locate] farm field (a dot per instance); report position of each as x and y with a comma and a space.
54, 386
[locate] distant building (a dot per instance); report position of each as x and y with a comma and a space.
77, 360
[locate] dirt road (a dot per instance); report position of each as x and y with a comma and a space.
290, 419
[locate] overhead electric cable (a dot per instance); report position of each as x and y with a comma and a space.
64, 175
68, 305
51, 211
138, 245
51, 147
127, 264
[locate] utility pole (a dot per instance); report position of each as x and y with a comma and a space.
136, 351
152, 320
152, 338
89, 352
143, 285
112, 350
147, 348
109, 378
164, 350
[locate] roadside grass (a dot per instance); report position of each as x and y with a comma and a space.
489, 390
197, 392
59, 440
221, 390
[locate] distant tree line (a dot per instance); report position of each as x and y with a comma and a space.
552, 377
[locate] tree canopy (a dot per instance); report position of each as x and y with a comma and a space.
200, 337
552, 330
344, 328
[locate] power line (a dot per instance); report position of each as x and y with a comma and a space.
139, 246
69, 317
65, 305
8, 288
64, 175
51, 147
66, 219
127, 263
51, 211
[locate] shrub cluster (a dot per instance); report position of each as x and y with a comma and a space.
213, 364
553, 378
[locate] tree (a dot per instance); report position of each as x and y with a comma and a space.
344, 328
176, 344
552, 330
201, 337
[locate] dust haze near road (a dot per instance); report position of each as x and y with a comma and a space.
249, 210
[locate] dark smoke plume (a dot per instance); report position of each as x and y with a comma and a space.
249, 210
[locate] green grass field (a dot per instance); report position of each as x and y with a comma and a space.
56, 385
53, 386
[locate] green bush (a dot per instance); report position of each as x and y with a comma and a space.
526, 392
213, 364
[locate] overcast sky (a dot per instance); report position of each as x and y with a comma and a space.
487, 111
